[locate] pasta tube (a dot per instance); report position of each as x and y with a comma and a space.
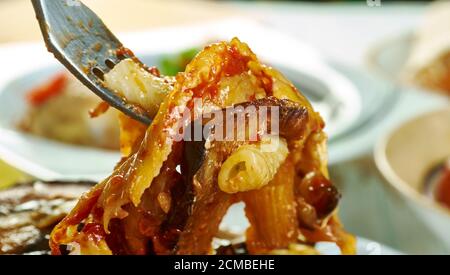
272, 214
252, 167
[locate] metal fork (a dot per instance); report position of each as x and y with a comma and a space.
85, 46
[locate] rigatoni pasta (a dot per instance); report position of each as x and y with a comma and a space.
273, 204
253, 166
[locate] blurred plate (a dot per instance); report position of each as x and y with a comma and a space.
333, 95
40, 157
389, 60
363, 247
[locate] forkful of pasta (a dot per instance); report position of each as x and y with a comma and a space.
91, 52
171, 190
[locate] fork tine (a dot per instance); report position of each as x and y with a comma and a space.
83, 44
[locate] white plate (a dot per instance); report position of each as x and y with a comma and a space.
388, 58
333, 94
363, 247
236, 222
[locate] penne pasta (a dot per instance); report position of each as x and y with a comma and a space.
272, 214
252, 167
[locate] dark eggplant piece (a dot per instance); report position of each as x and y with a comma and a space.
28, 213
293, 119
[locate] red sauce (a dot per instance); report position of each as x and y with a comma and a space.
84, 206
94, 231
99, 110
124, 52
236, 63
154, 71
442, 191
268, 85
54, 87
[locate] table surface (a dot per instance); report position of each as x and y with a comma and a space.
342, 32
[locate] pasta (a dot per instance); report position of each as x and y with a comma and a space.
138, 85
251, 167
273, 204
169, 195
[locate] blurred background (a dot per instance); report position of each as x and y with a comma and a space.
395, 55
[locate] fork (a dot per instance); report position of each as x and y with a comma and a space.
85, 46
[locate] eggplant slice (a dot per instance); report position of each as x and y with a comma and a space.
28, 213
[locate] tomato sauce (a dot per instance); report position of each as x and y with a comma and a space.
442, 191
43, 93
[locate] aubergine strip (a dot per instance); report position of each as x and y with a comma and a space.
137, 233
203, 225
209, 207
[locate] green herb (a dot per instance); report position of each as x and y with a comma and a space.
173, 64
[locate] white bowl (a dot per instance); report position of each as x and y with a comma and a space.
406, 156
